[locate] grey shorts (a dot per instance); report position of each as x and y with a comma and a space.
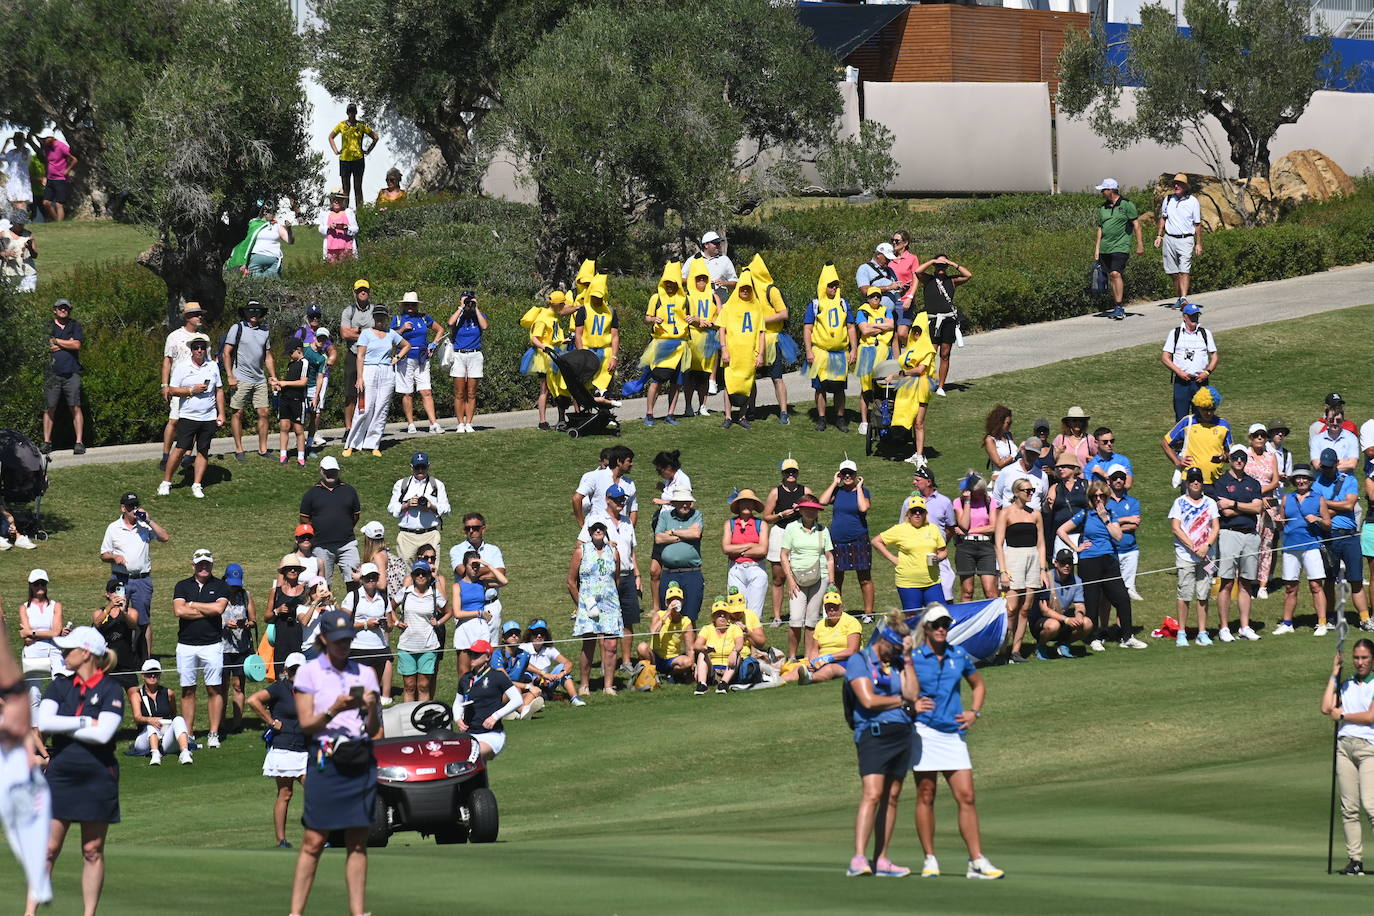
1178, 254
59, 388
1193, 582
1239, 555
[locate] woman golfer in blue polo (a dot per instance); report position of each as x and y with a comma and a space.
941, 723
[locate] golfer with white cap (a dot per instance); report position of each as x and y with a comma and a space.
941, 725
150, 703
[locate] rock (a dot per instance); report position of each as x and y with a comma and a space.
1305, 175
1218, 210
1294, 178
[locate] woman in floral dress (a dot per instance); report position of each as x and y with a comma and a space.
596, 596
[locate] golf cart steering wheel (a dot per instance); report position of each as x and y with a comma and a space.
431, 716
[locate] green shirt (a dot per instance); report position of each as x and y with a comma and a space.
806, 546
679, 554
1115, 223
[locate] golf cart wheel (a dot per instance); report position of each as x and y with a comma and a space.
378, 832
448, 836
485, 822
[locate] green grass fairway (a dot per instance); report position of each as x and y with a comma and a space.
1158, 781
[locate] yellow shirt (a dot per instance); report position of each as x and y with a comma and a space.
1204, 443
721, 644
673, 312
668, 641
351, 140
912, 545
832, 639
751, 622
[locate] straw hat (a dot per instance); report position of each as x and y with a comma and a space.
1076, 413
746, 496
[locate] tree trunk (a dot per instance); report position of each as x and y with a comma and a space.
89, 199
555, 259
192, 272
462, 165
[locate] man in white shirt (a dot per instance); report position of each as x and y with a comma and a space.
1190, 354
1179, 236
1196, 524
174, 351
723, 276
125, 548
621, 532
1332, 434
1024, 468
418, 503
201, 414
475, 532
591, 491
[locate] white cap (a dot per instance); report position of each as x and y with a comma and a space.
935, 612
1261, 428
368, 569
87, 638
1117, 469
679, 495
1367, 434
38, 575
151, 664
323, 332
294, 660
1108, 184
329, 463
886, 250
711, 236
202, 556
374, 530
847, 465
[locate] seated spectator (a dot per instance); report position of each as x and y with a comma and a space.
548, 668
1058, 613
513, 660
830, 645
160, 731
670, 639
393, 192
286, 744
718, 649
747, 620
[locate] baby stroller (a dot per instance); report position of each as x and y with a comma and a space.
882, 439
591, 413
23, 479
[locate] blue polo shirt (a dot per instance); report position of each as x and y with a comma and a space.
940, 679
1298, 533
1339, 487
1099, 463
1095, 530
417, 336
1243, 490
865, 664
1125, 507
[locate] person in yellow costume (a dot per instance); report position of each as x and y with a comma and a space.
832, 345
741, 348
755, 640
546, 338
718, 647
830, 644
703, 313
876, 325
779, 347
671, 636
1202, 439
668, 353
913, 385
597, 328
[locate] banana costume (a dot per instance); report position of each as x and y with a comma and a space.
832, 327
778, 340
598, 329
668, 347
543, 324
741, 323
915, 390
873, 346
702, 306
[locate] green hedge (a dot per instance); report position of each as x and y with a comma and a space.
1030, 255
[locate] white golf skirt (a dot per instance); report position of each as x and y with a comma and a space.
941, 751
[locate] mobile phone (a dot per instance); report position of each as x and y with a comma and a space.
356, 691
119, 591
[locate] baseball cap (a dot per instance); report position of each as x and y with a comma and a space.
557, 297
313, 311
1258, 428
833, 596
924, 472
510, 626
368, 569
196, 339
130, 500
62, 304
1064, 555
87, 638
294, 660
789, 464
233, 574
323, 334
1329, 458
305, 528
151, 664
538, 625
872, 291
361, 284
1041, 423
1192, 308
421, 566
480, 647
915, 501
202, 556
1238, 449
38, 575
1193, 474
1108, 184
710, 237
615, 491
1334, 399
419, 459
1033, 444
1117, 469
720, 605
847, 465
935, 614
329, 463
374, 530
316, 582
886, 250
336, 625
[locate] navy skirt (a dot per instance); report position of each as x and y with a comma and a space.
334, 800
86, 794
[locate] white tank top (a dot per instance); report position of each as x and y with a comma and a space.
40, 618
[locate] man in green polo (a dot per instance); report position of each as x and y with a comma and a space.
1117, 220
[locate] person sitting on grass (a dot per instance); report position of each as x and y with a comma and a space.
718, 648
159, 730
670, 639
513, 660
1057, 615
830, 645
548, 668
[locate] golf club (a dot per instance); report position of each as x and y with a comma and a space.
1341, 629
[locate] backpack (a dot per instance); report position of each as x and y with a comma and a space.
1173, 339
646, 679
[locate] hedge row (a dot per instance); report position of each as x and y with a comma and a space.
1030, 256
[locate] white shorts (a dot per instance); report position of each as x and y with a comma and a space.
284, 763
470, 631
412, 375
1297, 562
496, 741
775, 534
192, 661
466, 365
1178, 254
941, 751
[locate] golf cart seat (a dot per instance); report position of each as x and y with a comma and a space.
396, 721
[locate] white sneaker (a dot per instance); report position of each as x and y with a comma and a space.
4, 544
435, 428
467, 427
1135, 595
1262, 593
1224, 634
23, 543
185, 757
930, 868
1285, 627
164, 488
156, 759
983, 869
197, 491
1320, 629
1133, 643
863, 429
1248, 633
458, 428
940, 392
704, 412
411, 429
213, 740
711, 387
1096, 646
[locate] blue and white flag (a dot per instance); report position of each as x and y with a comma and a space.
980, 627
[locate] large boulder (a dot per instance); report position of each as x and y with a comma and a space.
1296, 177
1306, 175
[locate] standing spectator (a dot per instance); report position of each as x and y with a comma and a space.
290, 392
150, 705
849, 529
1278, 433
1067, 495
199, 416
1201, 440
393, 192
199, 602
352, 151
412, 373
418, 503
904, 265
248, 367
1073, 437
420, 615
174, 352
475, 539
808, 563
56, 192
546, 339
1058, 613
668, 466
621, 534
743, 337
40, 623
260, 254
1302, 553
1190, 354
831, 343
878, 272
339, 226
1099, 466
1096, 546
1196, 524
63, 382
937, 289
1125, 510
18, 255
779, 511
1332, 434
703, 315
1263, 465
677, 537
920, 548
667, 354
1238, 498
15, 162
779, 347
1179, 236
331, 509
1027, 468
940, 511
915, 389
593, 575
591, 490
1019, 540
469, 606
319, 356
286, 749
976, 519
875, 326
465, 326
744, 541
723, 276
118, 623
125, 548
354, 320
379, 350
1339, 494
290, 603
368, 606
998, 441
1117, 221
237, 640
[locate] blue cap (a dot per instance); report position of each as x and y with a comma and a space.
1329, 458
233, 574
614, 491
539, 623
418, 459
421, 566
510, 626
336, 625
1192, 308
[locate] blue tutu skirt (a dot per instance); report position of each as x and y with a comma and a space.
787, 348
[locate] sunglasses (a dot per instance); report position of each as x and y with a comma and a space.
1105, 441
473, 527
152, 674
846, 473
916, 510
1259, 435
427, 557
1025, 489
371, 577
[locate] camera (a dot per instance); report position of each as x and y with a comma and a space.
141, 515
422, 502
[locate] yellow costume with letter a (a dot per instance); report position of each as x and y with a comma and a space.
741, 321
597, 326
914, 390
775, 338
702, 306
668, 348
830, 331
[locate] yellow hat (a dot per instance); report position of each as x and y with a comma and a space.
789, 464
361, 284
673, 591
832, 596
873, 291
915, 502
719, 605
557, 297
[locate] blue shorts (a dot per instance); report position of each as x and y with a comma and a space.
664, 665
778, 368
1344, 546
914, 599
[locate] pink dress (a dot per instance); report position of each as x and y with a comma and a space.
1262, 468
338, 239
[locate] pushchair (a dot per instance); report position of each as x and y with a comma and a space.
23, 479
591, 414
882, 439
